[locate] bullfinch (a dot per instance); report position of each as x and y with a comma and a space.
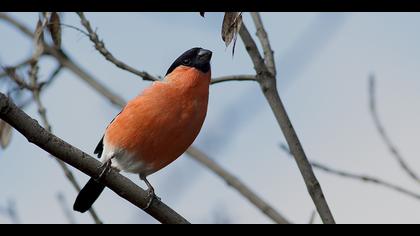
157, 126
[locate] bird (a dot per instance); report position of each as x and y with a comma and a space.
155, 127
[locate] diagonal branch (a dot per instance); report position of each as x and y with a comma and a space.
359, 177
57, 147
66, 210
268, 85
263, 37
385, 137
237, 184
100, 46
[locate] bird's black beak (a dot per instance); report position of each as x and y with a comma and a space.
204, 55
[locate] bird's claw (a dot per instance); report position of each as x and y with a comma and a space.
150, 197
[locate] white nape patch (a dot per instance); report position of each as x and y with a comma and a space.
124, 160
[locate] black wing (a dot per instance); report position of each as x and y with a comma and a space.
100, 147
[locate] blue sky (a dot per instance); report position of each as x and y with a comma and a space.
323, 61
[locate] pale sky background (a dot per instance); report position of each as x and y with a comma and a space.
323, 62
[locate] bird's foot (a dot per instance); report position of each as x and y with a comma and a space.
150, 197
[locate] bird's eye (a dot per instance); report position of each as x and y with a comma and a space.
186, 61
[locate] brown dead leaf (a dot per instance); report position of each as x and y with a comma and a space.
232, 22
54, 26
5, 134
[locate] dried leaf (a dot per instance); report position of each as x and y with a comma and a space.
232, 22
202, 13
38, 40
54, 27
5, 134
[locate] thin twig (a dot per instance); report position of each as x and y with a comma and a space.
10, 211
25, 30
233, 78
359, 177
268, 85
66, 210
263, 37
100, 46
51, 78
235, 183
385, 137
20, 82
57, 147
312, 218
76, 28
15, 67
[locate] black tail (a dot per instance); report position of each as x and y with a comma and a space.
88, 195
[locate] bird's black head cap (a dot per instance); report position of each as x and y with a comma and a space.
195, 57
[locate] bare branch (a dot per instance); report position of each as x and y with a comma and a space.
385, 137
234, 78
100, 46
312, 218
25, 30
252, 50
52, 77
10, 211
263, 37
12, 74
235, 183
82, 161
359, 177
268, 85
15, 67
66, 210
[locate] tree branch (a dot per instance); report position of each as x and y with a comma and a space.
235, 183
268, 85
381, 130
66, 210
233, 78
312, 218
359, 177
15, 67
100, 46
25, 30
37, 135
10, 211
263, 37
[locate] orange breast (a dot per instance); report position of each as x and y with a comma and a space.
161, 123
